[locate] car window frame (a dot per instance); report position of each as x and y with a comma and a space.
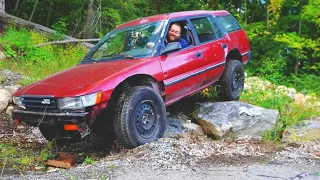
211, 19
166, 29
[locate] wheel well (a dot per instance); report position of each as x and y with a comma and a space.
235, 55
137, 80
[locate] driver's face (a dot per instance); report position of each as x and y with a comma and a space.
174, 33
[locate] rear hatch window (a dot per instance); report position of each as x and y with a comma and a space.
228, 23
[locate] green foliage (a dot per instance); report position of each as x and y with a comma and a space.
8, 51
39, 62
22, 159
90, 160
306, 83
61, 29
275, 98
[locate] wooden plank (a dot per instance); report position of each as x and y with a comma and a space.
64, 161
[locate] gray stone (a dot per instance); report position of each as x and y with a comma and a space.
10, 78
235, 119
12, 89
5, 97
2, 56
304, 131
8, 111
193, 127
174, 127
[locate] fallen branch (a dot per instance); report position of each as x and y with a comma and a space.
67, 41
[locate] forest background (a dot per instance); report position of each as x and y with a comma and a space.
284, 34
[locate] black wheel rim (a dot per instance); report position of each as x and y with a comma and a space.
236, 82
146, 119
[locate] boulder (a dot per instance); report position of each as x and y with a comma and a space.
12, 89
5, 97
174, 127
193, 127
235, 119
179, 125
9, 109
306, 131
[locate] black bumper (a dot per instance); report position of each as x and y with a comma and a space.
36, 118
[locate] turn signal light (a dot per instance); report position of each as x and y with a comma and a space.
17, 121
71, 127
99, 98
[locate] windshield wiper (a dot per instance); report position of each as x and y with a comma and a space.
93, 60
126, 56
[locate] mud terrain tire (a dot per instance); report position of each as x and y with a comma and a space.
140, 117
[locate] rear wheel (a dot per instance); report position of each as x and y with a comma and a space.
140, 117
231, 83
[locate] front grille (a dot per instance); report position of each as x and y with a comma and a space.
39, 102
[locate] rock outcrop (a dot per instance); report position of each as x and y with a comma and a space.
235, 119
304, 131
5, 98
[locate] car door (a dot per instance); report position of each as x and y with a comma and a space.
214, 46
183, 71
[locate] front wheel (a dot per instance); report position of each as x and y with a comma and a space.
140, 117
231, 82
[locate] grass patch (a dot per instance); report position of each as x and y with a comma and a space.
290, 112
22, 159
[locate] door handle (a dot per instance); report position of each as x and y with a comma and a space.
224, 46
198, 54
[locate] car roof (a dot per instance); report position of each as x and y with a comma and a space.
169, 16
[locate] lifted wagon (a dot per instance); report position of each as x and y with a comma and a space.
130, 75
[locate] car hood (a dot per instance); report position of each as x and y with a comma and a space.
80, 79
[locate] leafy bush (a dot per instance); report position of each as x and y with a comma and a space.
275, 98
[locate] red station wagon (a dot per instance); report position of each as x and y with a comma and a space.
130, 75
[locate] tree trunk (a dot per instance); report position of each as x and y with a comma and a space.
49, 15
34, 8
90, 13
16, 6
2, 6
7, 18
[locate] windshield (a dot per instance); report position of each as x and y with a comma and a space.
130, 42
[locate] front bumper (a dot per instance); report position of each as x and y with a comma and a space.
37, 118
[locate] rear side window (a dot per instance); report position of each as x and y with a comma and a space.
203, 29
228, 23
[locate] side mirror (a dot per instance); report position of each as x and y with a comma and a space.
170, 47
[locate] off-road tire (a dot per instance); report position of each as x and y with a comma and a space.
230, 84
140, 117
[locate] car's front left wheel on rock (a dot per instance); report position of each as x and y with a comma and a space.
140, 117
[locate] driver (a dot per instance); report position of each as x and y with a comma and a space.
174, 34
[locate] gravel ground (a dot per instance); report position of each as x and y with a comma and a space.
183, 157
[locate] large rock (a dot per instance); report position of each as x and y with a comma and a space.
235, 119
12, 89
5, 97
179, 125
307, 131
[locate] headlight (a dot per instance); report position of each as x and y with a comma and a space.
80, 102
17, 100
